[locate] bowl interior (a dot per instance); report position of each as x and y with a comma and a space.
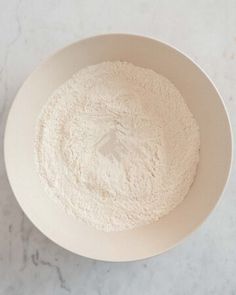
215, 154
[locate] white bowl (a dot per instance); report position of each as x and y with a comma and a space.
202, 99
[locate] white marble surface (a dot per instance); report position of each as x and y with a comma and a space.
29, 32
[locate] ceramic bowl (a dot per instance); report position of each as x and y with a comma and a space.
202, 99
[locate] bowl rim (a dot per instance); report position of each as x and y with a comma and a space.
131, 35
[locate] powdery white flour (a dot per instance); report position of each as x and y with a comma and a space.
117, 146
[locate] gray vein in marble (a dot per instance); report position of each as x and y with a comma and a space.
25, 235
10, 244
58, 272
35, 258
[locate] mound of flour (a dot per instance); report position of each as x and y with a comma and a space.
117, 146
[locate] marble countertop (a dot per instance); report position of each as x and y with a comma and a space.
30, 31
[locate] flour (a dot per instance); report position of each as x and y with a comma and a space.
117, 146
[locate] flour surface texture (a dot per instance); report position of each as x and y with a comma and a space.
116, 146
